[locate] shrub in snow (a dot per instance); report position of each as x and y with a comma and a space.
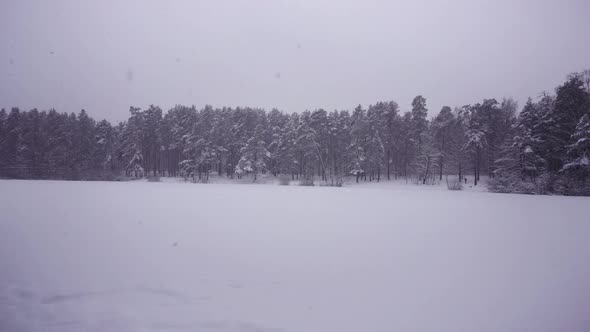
284, 180
307, 182
454, 184
333, 181
566, 185
123, 177
511, 184
547, 183
153, 179
329, 184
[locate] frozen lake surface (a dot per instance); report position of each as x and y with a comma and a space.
106, 256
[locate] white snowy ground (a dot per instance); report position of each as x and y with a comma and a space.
106, 256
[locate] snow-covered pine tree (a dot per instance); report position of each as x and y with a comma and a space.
319, 124
356, 150
3, 142
338, 142
419, 121
286, 154
441, 128
389, 122
306, 147
406, 145
199, 150
132, 144
103, 153
579, 152
475, 143
152, 138
254, 156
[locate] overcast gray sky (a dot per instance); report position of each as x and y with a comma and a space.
104, 56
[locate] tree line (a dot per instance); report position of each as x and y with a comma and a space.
543, 148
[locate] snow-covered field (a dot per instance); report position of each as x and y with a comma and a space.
100, 256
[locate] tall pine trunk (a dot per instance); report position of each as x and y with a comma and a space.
388, 164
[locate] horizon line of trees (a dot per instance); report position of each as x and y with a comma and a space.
543, 148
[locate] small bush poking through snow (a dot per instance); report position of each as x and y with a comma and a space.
154, 179
306, 182
332, 182
543, 185
512, 184
454, 184
284, 180
329, 184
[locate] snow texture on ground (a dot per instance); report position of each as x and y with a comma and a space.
106, 256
